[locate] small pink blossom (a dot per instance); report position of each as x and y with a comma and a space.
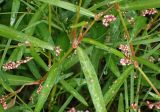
125, 51
151, 59
108, 19
131, 20
13, 65
72, 110
150, 105
157, 105
57, 50
124, 48
125, 61
134, 106
149, 12
3, 103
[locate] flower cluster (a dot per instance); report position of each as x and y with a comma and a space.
13, 65
57, 50
151, 59
134, 106
153, 105
149, 12
125, 50
131, 20
3, 103
108, 19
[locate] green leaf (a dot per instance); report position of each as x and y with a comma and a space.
141, 4
17, 53
4, 81
10, 33
18, 80
92, 81
38, 59
35, 18
34, 69
121, 103
104, 47
113, 67
68, 6
47, 86
140, 24
155, 96
74, 92
109, 95
15, 8
148, 64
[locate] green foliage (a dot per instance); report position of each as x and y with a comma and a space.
56, 55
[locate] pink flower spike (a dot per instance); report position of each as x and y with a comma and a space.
150, 105
149, 12
3, 103
108, 19
57, 50
157, 105
13, 65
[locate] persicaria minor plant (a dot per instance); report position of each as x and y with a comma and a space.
79, 56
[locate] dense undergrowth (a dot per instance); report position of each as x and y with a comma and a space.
79, 55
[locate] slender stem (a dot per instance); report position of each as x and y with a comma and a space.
50, 30
49, 18
147, 79
51, 99
127, 34
24, 103
132, 90
63, 58
126, 96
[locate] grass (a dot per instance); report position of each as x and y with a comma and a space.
75, 60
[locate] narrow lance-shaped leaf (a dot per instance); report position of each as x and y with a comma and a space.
68, 6
104, 47
92, 81
10, 33
155, 96
141, 4
47, 86
109, 95
18, 80
15, 8
147, 63
38, 59
74, 92
121, 103
35, 18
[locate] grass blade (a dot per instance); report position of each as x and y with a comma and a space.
68, 6
10, 33
92, 81
35, 18
47, 86
38, 59
74, 92
18, 80
104, 47
116, 86
15, 8
148, 64
121, 103
141, 4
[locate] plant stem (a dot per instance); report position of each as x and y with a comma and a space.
147, 79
